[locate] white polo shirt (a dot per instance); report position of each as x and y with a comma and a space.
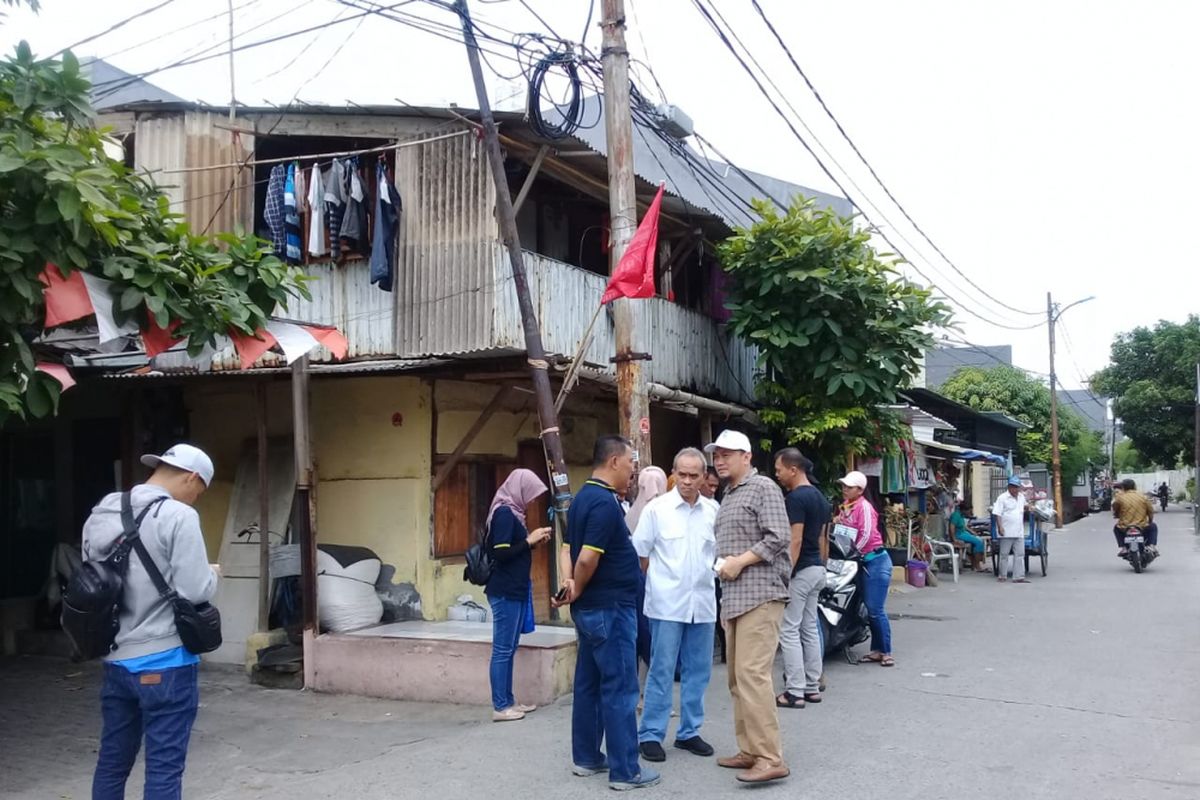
1010, 513
680, 541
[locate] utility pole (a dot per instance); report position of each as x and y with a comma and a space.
1196, 458
535, 354
1058, 506
633, 400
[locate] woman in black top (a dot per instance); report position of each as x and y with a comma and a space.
509, 590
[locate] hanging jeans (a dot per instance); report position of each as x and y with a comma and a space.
606, 691
689, 644
875, 592
158, 705
507, 618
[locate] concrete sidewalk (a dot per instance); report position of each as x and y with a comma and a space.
1078, 685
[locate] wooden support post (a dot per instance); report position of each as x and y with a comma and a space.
264, 509
534, 168
476, 427
706, 433
305, 525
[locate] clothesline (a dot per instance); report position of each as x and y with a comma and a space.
307, 156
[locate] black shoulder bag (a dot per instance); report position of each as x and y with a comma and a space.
198, 624
479, 560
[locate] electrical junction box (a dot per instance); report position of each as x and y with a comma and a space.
674, 121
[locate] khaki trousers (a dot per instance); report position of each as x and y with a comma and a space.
751, 641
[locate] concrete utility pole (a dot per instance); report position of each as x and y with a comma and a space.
1053, 313
1058, 506
535, 353
633, 399
1196, 458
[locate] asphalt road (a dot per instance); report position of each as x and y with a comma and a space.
1082, 684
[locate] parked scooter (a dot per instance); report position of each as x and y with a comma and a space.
842, 608
1137, 554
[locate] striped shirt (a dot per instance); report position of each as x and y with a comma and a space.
753, 517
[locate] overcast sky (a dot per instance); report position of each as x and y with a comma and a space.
1042, 146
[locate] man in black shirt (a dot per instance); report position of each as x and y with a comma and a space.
809, 514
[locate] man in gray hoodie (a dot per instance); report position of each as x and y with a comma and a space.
151, 685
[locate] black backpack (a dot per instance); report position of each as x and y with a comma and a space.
479, 560
91, 605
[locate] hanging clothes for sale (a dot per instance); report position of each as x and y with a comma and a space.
334, 203
894, 477
291, 217
354, 220
387, 221
316, 210
273, 211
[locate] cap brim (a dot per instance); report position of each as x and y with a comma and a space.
151, 461
710, 448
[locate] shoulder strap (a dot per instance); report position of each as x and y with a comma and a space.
135, 540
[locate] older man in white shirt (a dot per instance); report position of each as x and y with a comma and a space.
676, 542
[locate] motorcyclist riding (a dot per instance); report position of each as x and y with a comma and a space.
1133, 510
1164, 495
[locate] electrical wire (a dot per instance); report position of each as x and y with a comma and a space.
158, 37
871, 168
829, 174
570, 112
115, 26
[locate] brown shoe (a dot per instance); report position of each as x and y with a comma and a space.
764, 772
740, 761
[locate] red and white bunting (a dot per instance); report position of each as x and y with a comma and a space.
78, 296
294, 339
58, 372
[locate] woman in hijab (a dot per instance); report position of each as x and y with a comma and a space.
652, 482
509, 589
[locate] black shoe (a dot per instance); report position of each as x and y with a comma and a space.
652, 751
694, 745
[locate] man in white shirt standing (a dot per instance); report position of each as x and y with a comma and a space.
1008, 513
676, 541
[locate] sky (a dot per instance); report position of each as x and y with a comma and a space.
1043, 147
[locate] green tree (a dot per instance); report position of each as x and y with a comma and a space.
1012, 392
64, 201
1126, 458
1151, 377
840, 331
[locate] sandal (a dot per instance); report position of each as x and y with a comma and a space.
789, 700
871, 658
812, 697
887, 661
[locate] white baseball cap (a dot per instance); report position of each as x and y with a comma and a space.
730, 440
854, 478
186, 458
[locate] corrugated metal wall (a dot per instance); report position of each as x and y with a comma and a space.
211, 200
444, 279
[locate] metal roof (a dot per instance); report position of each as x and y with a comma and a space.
102, 75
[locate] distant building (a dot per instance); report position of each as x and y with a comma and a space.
942, 362
1093, 409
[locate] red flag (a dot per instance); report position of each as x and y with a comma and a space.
58, 372
251, 348
332, 338
67, 299
634, 275
156, 341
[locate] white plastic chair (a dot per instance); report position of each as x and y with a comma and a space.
941, 550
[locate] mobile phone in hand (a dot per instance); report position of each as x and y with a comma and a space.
561, 596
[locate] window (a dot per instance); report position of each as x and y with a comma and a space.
461, 505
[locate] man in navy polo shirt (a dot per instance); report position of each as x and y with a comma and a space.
601, 572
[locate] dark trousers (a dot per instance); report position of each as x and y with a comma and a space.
1150, 532
606, 691
158, 705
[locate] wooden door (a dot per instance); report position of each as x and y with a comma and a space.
531, 456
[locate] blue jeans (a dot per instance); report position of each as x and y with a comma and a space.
688, 643
507, 616
606, 691
875, 592
162, 707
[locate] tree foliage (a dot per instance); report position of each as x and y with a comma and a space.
1151, 377
1127, 458
1012, 392
840, 332
64, 201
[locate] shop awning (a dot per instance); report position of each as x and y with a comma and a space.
961, 453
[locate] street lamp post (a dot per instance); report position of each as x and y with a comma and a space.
1053, 313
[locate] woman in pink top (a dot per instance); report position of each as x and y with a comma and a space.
858, 513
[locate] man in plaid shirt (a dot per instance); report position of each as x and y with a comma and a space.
753, 564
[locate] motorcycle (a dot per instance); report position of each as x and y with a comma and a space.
1162, 499
841, 607
1136, 552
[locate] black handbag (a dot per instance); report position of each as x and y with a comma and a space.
479, 561
198, 624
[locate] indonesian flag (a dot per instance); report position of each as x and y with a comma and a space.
634, 275
293, 338
78, 296
58, 372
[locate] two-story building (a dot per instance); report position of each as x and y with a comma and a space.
415, 428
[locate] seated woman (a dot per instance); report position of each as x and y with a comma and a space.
958, 525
